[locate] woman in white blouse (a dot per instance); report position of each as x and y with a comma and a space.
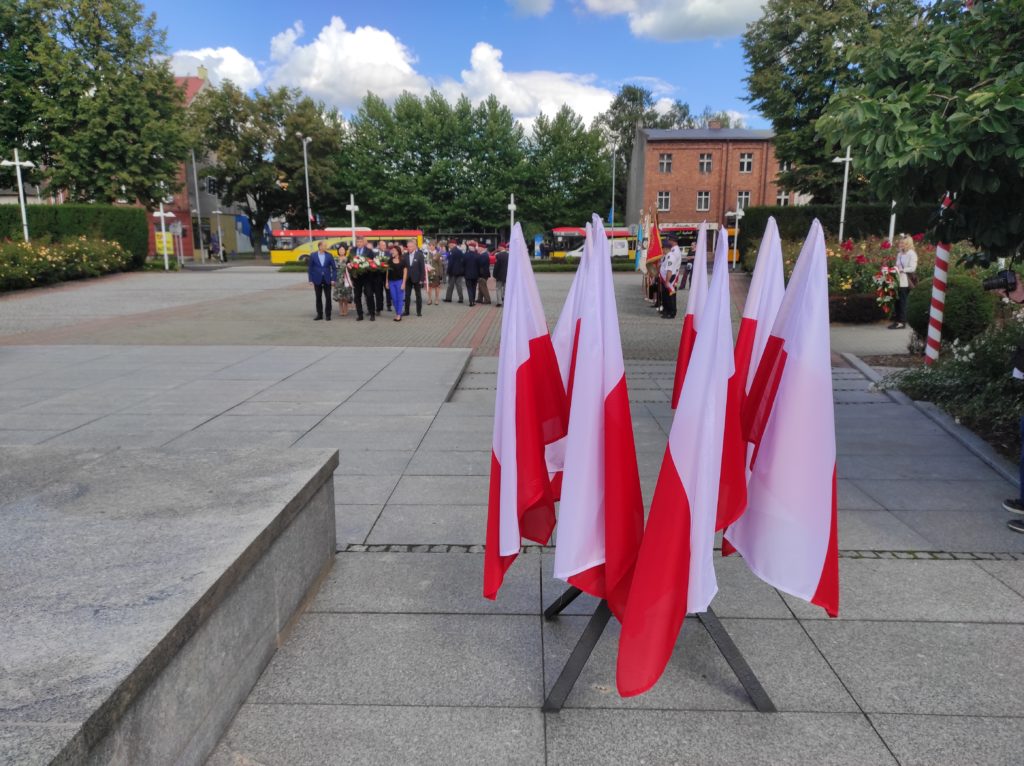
906, 273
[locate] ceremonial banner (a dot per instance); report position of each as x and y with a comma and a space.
788, 534
694, 307
601, 514
529, 413
767, 286
675, 570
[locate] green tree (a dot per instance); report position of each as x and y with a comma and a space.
799, 56
109, 120
323, 125
22, 26
943, 111
245, 134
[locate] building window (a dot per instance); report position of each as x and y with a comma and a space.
704, 163
664, 201
664, 163
211, 186
742, 200
703, 200
782, 198
746, 162
784, 166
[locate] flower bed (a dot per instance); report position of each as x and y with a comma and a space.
24, 265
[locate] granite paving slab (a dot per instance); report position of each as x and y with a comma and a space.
983, 529
918, 740
419, 524
407, 659
365, 490
944, 495
1010, 573
851, 497
912, 467
432, 490
354, 522
444, 462
879, 530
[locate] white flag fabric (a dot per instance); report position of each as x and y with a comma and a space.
601, 515
675, 571
529, 413
694, 308
788, 535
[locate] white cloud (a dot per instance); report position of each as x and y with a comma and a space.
222, 64
533, 7
681, 19
341, 65
527, 93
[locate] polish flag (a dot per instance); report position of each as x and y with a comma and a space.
601, 514
763, 299
675, 572
529, 413
788, 535
694, 306
654, 248
565, 339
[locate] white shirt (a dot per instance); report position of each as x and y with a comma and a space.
672, 262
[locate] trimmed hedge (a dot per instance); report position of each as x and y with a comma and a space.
969, 309
855, 308
861, 221
117, 223
31, 264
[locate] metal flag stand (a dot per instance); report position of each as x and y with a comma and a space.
595, 627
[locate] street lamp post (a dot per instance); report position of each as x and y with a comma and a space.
18, 165
305, 164
199, 209
220, 235
846, 182
163, 232
352, 207
512, 213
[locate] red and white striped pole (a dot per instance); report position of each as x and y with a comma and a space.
934, 340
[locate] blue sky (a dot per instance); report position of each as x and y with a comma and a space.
533, 54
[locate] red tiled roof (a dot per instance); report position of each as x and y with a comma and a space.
192, 86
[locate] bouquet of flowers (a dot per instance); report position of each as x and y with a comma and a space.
886, 284
360, 264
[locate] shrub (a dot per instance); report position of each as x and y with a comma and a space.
128, 226
969, 309
854, 308
33, 264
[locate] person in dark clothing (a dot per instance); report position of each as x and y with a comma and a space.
381, 294
417, 277
483, 259
472, 266
362, 284
500, 272
323, 274
456, 271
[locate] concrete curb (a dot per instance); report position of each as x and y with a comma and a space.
978, 446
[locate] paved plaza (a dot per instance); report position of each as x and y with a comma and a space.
398, 658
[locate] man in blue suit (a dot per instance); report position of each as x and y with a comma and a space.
323, 273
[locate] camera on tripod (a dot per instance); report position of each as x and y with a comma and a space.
1004, 280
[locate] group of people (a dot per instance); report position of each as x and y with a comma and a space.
666, 276
393, 274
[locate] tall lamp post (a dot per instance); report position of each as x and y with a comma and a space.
512, 214
18, 165
163, 216
220, 234
199, 209
846, 182
305, 164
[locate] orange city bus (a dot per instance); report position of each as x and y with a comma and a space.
568, 241
293, 245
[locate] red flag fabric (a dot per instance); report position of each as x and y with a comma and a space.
788, 534
694, 307
529, 413
601, 513
767, 286
654, 248
675, 570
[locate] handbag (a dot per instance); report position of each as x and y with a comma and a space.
912, 280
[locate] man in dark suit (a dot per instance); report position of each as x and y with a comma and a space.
456, 271
483, 259
472, 266
500, 273
323, 273
363, 283
416, 278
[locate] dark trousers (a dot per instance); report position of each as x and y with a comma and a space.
1021, 468
363, 285
471, 289
901, 304
323, 295
668, 301
484, 290
378, 292
409, 288
454, 283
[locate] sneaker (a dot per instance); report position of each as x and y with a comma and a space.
1014, 505
1016, 525
894, 326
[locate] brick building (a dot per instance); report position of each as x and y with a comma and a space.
703, 173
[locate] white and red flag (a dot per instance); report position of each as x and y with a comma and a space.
675, 571
601, 513
565, 339
694, 307
529, 413
788, 534
767, 286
